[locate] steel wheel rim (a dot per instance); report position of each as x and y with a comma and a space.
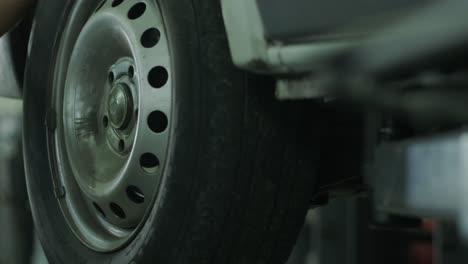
109, 146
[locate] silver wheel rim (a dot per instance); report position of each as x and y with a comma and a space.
112, 100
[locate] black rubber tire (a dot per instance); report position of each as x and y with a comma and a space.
242, 164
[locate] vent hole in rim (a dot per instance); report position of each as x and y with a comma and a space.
117, 210
150, 37
135, 194
117, 3
157, 122
149, 163
137, 11
158, 77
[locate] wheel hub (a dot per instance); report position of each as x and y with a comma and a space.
113, 93
120, 106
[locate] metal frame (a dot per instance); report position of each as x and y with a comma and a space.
424, 177
297, 36
252, 50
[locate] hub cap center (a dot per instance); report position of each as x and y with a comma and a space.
120, 106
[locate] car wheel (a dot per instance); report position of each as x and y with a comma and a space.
143, 143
